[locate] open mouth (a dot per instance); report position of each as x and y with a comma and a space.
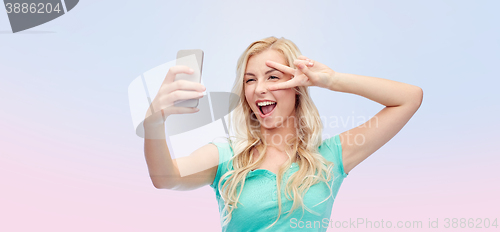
266, 108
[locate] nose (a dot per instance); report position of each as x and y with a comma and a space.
261, 87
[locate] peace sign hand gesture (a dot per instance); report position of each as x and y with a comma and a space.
308, 73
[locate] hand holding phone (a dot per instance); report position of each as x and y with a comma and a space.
194, 60
180, 90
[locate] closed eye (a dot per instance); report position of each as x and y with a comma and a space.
270, 77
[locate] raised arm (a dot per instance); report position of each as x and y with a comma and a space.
190, 172
401, 101
186, 173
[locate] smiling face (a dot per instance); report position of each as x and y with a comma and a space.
272, 108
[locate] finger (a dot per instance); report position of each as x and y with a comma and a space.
280, 67
183, 85
301, 57
285, 85
174, 70
297, 62
178, 95
304, 69
305, 61
180, 110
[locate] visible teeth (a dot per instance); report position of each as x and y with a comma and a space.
265, 103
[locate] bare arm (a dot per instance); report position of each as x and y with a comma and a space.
401, 101
184, 173
193, 171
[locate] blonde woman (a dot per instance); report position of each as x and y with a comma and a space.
275, 172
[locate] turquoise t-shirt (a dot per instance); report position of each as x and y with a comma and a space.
258, 207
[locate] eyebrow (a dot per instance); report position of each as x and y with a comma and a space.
268, 71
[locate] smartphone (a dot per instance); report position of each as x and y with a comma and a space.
192, 58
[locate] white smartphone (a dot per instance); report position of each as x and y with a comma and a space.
192, 58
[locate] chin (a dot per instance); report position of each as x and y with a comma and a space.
268, 124
272, 122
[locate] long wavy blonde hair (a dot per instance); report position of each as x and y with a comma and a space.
313, 167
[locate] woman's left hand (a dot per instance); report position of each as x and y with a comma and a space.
308, 73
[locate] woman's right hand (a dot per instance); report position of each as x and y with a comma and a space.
170, 91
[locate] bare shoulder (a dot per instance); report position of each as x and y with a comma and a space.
208, 154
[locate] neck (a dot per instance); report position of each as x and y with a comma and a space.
277, 137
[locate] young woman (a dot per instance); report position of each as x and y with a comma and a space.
275, 172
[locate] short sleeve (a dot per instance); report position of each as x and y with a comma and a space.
225, 155
335, 148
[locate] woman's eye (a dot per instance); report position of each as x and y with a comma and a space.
273, 77
249, 80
